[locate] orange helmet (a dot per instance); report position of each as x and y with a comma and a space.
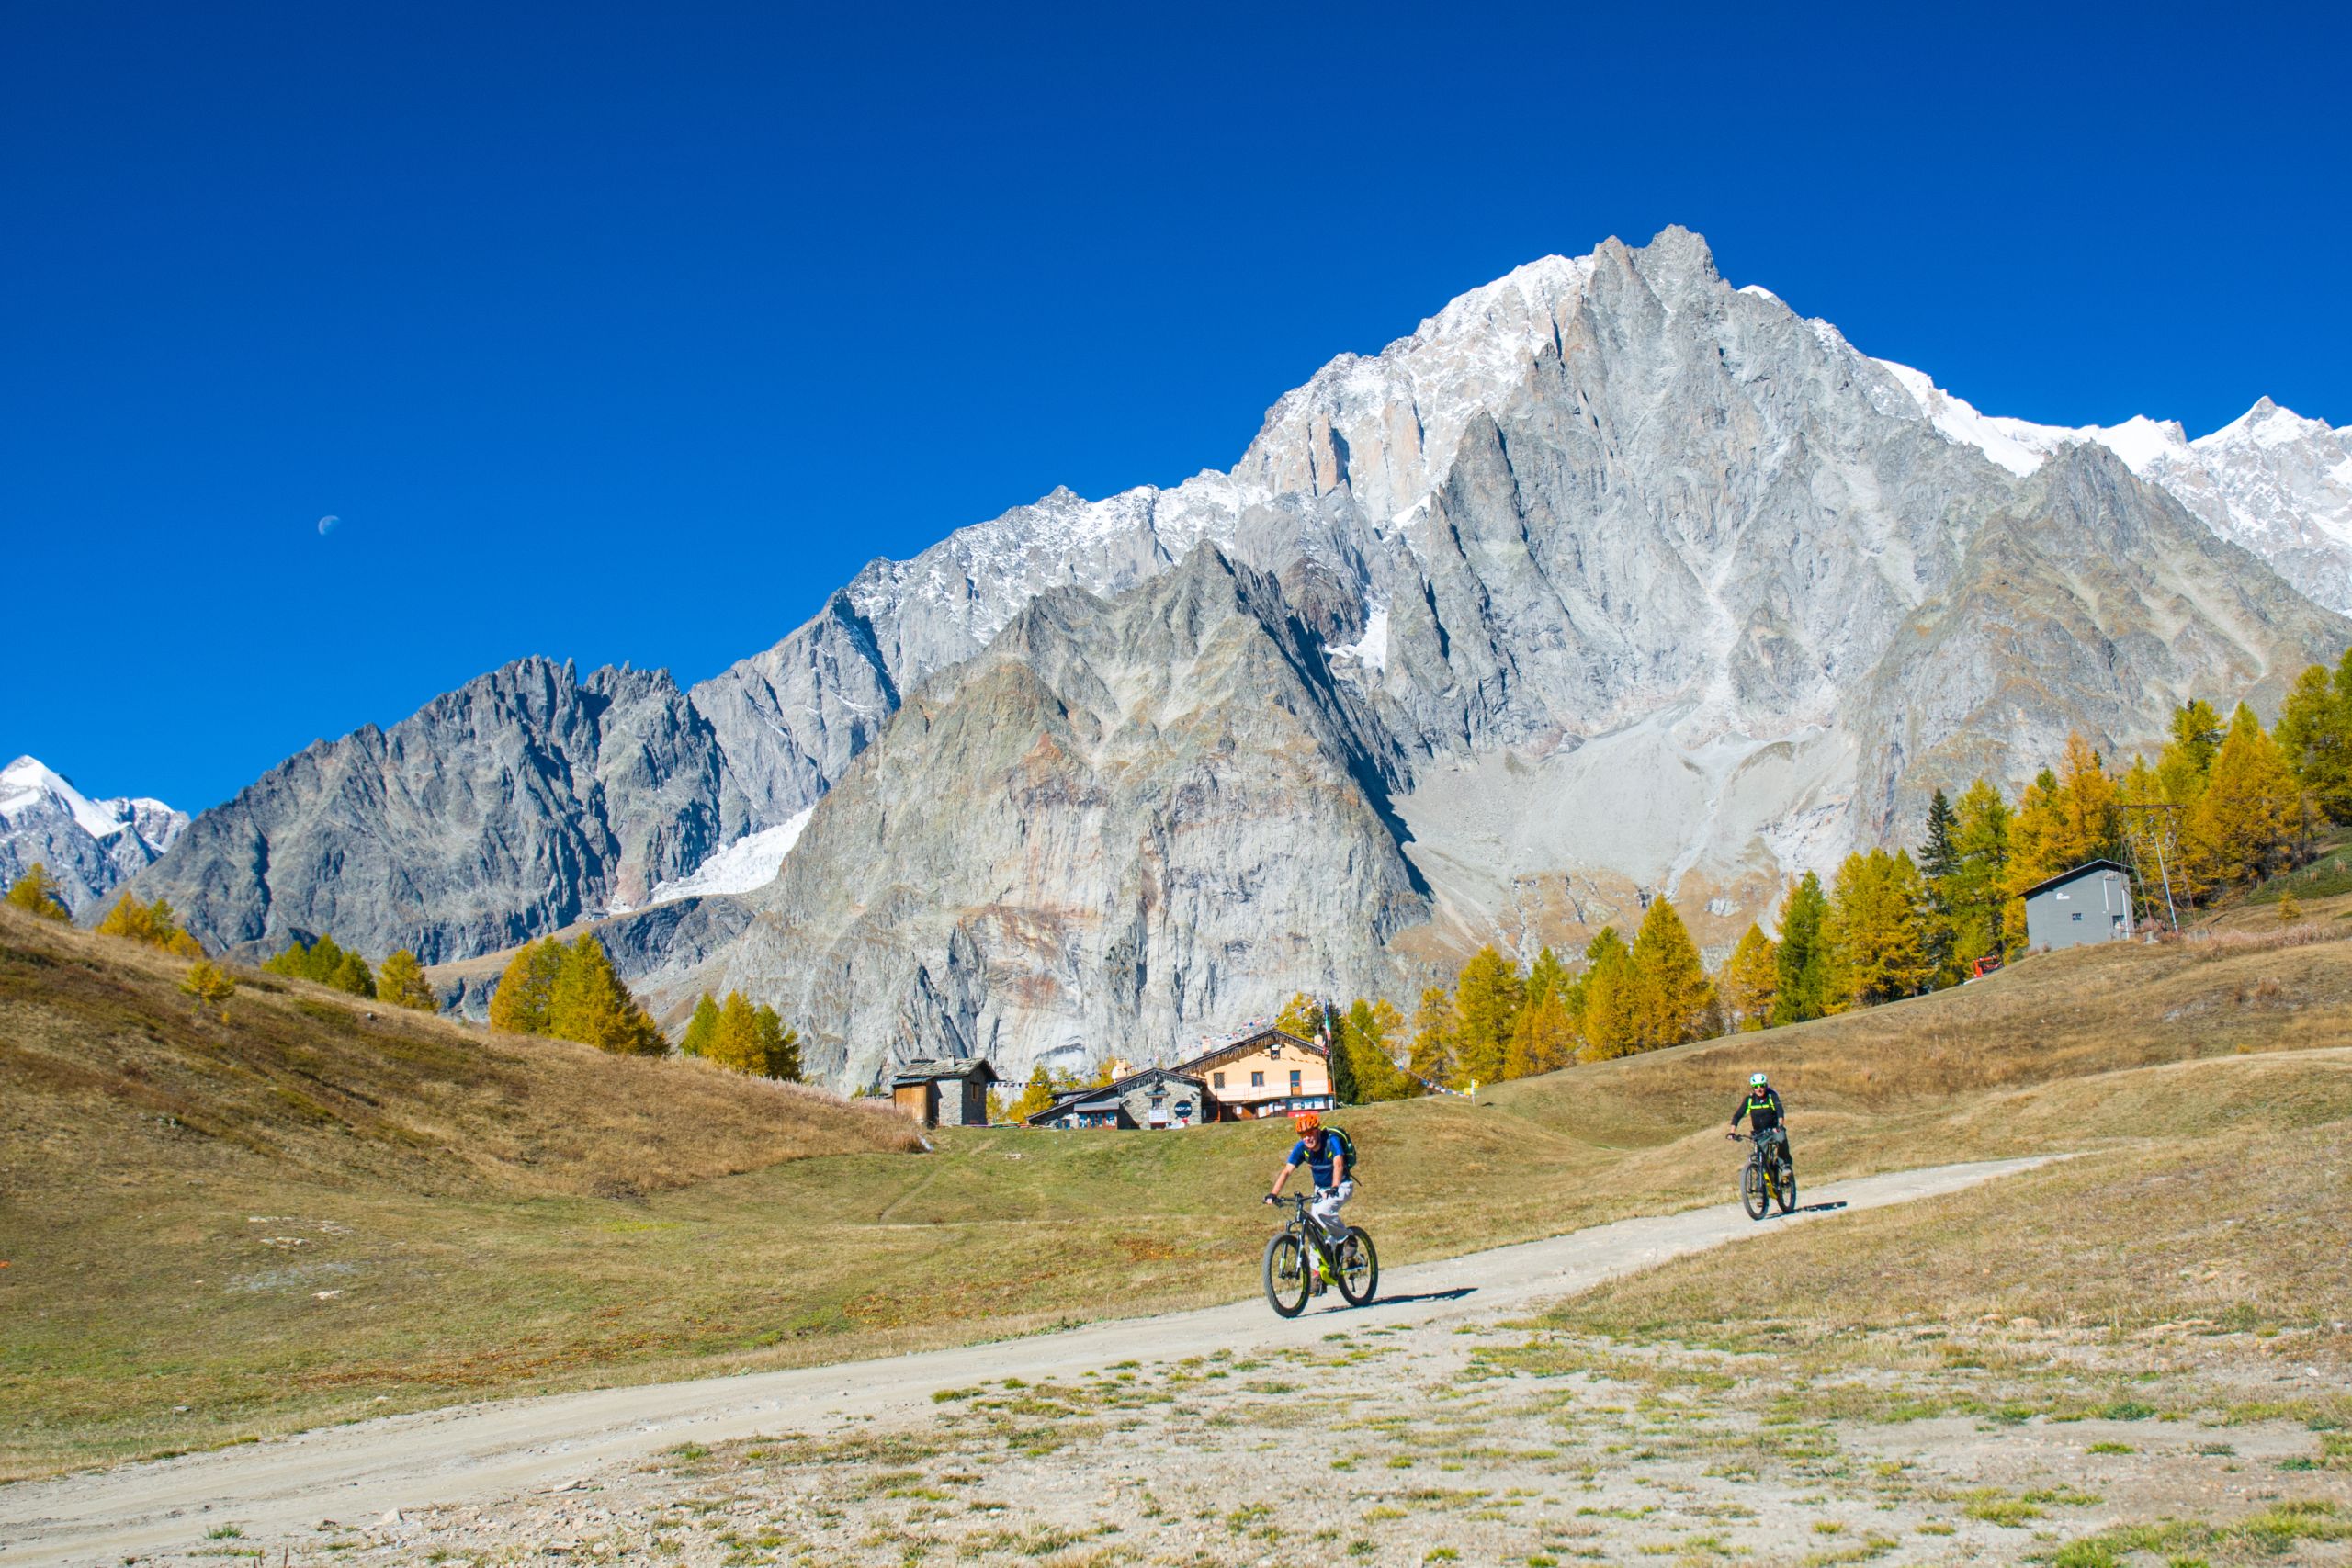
1308, 1122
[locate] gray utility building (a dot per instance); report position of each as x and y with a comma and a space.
2090, 903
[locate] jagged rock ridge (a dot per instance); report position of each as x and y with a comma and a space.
525, 800
1610, 578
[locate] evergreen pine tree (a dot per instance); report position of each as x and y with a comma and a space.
1749, 978
36, 893
1673, 998
701, 1029
1802, 984
1487, 995
1345, 1090
1938, 862
323, 960
519, 1004
1436, 1039
779, 1047
402, 983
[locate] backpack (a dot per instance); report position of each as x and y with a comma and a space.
1343, 1147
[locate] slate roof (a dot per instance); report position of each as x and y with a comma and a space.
929, 1069
1112, 1094
2083, 870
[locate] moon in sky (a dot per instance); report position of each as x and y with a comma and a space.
327, 523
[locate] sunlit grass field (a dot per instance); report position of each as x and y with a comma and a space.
217, 1230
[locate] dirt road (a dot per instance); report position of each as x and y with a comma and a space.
474, 1454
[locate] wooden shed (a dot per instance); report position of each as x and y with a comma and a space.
951, 1092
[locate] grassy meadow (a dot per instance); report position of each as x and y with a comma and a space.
219, 1230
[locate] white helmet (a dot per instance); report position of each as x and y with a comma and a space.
1756, 1080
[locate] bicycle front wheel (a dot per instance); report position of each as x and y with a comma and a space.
1359, 1267
1754, 1196
1289, 1276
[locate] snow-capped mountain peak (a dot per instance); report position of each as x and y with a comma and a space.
28, 783
2270, 479
89, 846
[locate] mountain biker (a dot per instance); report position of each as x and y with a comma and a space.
1328, 1154
1765, 1115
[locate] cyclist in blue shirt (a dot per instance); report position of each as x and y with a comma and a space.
1329, 1156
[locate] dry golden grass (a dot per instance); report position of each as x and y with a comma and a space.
109, 1067
2237, 1230
307, 1214
2065, 1015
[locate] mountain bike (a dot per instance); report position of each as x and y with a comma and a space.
1763, 1181
1292, 1276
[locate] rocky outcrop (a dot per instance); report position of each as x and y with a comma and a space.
519, 804
1126, 817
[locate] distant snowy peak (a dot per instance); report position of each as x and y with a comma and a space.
28, 786
2271, 481
89, 846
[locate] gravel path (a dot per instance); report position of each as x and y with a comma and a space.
475, 1454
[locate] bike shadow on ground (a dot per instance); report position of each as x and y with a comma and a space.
1806, 1209
1454, 1294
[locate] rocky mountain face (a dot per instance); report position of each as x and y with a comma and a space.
91, 847
1692, 597
520, 803
2271, 481
1124, 817
1609, 579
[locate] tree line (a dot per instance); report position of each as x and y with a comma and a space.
2224, 805
551, 988
1499, 1021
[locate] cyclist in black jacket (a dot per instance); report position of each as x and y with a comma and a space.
1764, 1112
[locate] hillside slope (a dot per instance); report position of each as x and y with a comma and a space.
349, 1265
114, 1074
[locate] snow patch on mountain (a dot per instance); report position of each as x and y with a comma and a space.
748, 863
1371, 649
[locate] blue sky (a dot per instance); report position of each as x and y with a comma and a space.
626, 333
